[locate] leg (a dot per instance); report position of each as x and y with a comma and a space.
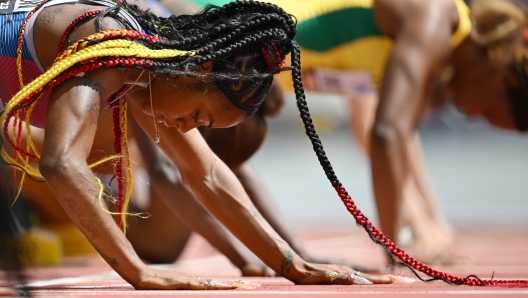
145, 233
38, 193
432, 234
265, 205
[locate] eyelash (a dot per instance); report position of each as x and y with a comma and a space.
195, 116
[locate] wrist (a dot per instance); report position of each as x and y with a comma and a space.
133, 273
297, 269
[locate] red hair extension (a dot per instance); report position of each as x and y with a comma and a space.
378, 237
278, 55
20, 41
11, 142
19, 140
73, 23
268, 59
119, 164
130, 61
105, 35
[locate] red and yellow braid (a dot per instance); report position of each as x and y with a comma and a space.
20, 42
111, 48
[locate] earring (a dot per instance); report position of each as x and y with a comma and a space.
152, 111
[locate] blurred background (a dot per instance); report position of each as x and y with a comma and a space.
478, 172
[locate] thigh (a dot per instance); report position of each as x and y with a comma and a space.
161, 237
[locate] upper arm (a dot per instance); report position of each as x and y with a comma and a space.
51, 23
421, 31
72, 114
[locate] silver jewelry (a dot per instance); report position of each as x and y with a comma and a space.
152, 111
214, 283
332, 275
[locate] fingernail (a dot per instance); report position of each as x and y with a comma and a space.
358, 280
244, 284
214, 283
400, 279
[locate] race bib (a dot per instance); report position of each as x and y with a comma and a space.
7, 6
349, 82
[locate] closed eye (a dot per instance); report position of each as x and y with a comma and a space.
195, 116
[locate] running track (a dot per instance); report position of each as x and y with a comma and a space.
503, 252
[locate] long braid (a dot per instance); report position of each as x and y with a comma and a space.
84, 17
181, 44
397, 254
198, 39
128, 189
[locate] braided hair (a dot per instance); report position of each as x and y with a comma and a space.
503, 24
256, 32
175, 45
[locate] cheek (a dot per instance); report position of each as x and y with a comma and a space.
475, 90
227, 120
227, 117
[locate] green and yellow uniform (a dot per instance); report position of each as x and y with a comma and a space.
343, 34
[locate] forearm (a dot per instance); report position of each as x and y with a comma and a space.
223, 196
192, 214
261, 198
77, 190
389, 169
418, 168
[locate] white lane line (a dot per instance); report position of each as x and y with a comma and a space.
209, 263
239, 292
68, 280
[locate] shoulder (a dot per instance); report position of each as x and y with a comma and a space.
394, 15
52, 23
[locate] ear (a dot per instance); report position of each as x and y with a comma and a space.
206, 67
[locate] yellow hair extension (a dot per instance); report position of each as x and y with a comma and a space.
15, 125
124, 138
123, 48
29, 140
16, 122
101, 195
79, 53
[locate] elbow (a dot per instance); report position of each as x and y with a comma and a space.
51, 166
55, 165
386, 135
195, 179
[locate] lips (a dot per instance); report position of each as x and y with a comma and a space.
167, 122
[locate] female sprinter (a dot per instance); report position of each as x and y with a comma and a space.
173, 74
417, 53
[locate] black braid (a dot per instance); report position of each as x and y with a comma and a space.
220, 34
112, 12
305, 114
323, 159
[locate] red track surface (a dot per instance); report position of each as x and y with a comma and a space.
503, 252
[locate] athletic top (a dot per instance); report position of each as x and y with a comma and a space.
362, 46
31, 68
